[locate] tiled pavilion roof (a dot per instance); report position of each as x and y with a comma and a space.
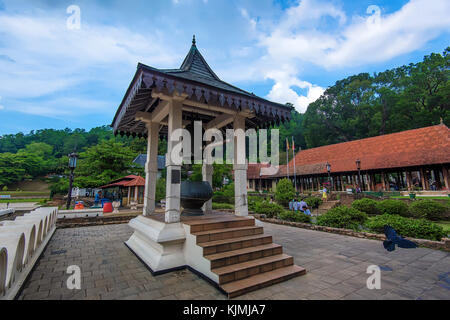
128, 181
411, 148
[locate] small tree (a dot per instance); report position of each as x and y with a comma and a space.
285, 191
5, 188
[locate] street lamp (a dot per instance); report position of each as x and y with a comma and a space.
329, 174
72, 165
358, 166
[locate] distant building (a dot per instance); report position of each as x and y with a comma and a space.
125, 189
407, 160
142, 159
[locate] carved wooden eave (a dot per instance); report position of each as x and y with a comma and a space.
150, 86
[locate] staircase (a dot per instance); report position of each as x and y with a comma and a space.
327, 205
241, 255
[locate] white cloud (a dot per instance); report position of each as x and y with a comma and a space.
301, 37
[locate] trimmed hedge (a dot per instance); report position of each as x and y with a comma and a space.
313, 202
397, 207
367, 205
269, 209
342, 217
218, 206
407, 227
252, 201
294, 216
428, 209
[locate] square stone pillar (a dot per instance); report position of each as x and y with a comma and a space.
151, 168
173, 165
240, 169
383, 181
207, 173
446, 179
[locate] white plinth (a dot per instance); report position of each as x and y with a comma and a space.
159, 245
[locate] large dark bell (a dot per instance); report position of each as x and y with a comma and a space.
193, 195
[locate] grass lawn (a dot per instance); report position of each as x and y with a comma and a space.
26, 193
21, 200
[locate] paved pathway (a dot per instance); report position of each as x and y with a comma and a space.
336, 267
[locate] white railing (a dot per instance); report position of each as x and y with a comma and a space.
21, 243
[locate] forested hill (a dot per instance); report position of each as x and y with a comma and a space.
364, 105
360, 106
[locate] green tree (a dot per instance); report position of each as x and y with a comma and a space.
284, 192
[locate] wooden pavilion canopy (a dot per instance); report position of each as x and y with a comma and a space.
208, 99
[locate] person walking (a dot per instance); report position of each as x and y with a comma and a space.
324, 194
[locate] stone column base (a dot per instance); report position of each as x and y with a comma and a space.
159, 245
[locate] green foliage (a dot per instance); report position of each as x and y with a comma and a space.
407, 227
218, 206
367, 205
314, 202
60, 187
160, 189
220, 171
342, 217
269, 209
364, 105
393, 207
102, 163
226, 195
252, 201
5, 188
294, 216
285, 192
429, 209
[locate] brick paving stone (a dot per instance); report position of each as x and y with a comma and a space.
336, 267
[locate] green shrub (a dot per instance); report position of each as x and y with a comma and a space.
393, 207
313, 202
269, 209
294, 216
367, 205
285, 192
226, 195
218, 206
428, 209
407, 227
342, 217
5, 188
252, 201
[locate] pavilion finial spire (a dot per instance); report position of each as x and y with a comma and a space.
193, 40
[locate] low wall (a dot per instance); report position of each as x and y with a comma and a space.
444, 244
93, 221
22, 241
83, 213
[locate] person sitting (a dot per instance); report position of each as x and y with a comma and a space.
291, 205
296, 205
304, 207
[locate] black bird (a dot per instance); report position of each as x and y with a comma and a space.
394, 239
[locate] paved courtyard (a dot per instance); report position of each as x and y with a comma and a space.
336, 268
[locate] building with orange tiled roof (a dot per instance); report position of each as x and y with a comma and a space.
414, 158
125, 189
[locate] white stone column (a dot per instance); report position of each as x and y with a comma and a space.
240, 169
173, 182
151, 168
207, 173
136, 191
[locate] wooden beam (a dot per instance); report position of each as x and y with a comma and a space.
220, 121
160, 112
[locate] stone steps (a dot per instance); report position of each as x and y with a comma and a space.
247, 269
227, 233
262, 280
241, 255
218, 246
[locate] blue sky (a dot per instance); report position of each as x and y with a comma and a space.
52, 76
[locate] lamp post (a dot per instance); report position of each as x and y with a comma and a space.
72, 165
329, 174
358, 166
